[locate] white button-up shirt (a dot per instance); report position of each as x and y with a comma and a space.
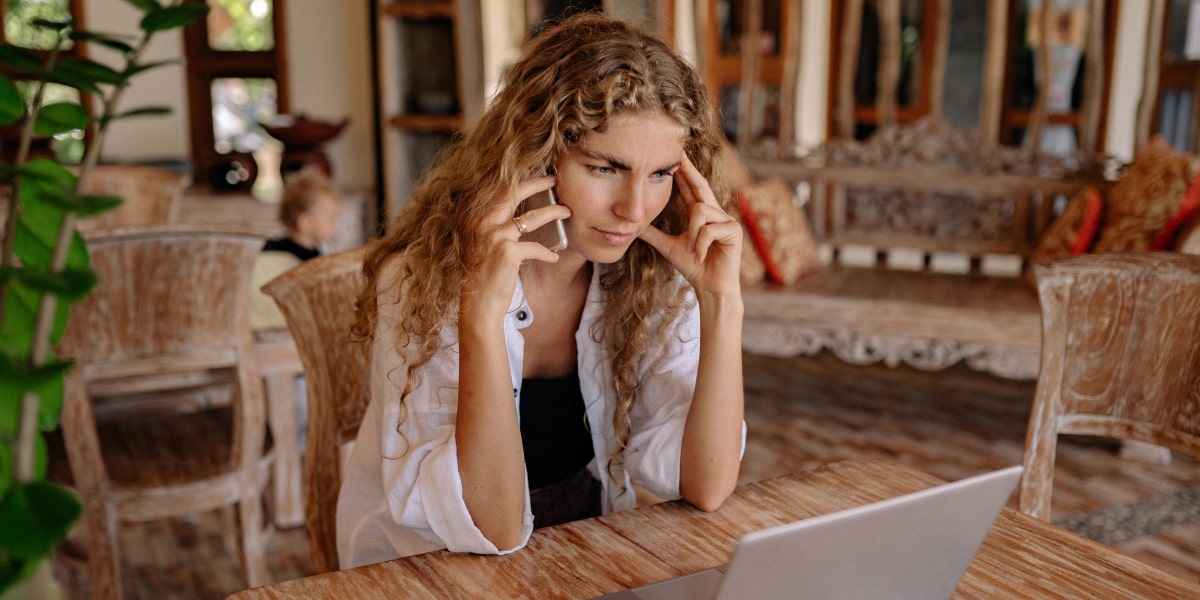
401, 492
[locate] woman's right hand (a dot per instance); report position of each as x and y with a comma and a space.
489, 286
491, 462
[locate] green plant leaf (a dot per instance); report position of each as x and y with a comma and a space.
84, 206
19, 58
60, 117
34, 517
12, 107
144, 111
145, 5
52, 402
50, 24
17, 377
44, 175
70, 79
89, 69
16, 337
135, 68
170, 17
107, 40
68, 284
37, 227
6, 466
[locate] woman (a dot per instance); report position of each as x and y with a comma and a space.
514, 386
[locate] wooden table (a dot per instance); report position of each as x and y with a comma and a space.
1021, 557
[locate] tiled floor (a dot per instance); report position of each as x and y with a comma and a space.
801, 413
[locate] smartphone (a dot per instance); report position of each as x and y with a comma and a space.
551, 235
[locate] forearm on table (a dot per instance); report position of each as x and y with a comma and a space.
490, 458
712, 437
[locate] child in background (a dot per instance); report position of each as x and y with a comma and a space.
309, 211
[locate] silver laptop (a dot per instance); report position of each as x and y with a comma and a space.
914, 546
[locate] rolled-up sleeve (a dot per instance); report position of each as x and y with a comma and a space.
667, 384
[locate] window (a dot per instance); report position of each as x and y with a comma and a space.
236, 80
17, 30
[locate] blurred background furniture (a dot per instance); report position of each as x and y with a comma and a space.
168, 317
152, 195
318, 300
280, 366
1120, 358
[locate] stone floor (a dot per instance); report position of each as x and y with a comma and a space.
801, 413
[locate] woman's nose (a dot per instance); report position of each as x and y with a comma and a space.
631, 206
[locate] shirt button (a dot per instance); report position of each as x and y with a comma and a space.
522, 315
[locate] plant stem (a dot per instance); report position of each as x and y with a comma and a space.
48, 306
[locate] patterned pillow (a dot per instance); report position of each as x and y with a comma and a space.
1143, 202
753, 270
1073, 232
779, 232
1181, 220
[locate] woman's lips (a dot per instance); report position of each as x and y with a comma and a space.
615, 238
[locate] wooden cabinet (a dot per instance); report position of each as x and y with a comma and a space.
428, 87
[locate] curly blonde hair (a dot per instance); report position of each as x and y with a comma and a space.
569, 81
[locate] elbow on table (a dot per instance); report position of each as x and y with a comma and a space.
505, 537
708, 500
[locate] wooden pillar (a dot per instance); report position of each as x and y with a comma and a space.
888, 77
992, 104
750, 49
1093, 83
788, 86
848, 41
1044, 75
941, 47
1153, 62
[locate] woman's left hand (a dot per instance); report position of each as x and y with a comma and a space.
709, 253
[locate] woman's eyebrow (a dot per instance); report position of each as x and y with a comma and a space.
617, 163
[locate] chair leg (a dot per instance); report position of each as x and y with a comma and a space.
253, 554
103, 554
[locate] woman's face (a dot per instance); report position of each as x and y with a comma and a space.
617, 181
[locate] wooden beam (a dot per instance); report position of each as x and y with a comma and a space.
848, 42
992, 103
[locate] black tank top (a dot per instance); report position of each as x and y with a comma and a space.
554, 430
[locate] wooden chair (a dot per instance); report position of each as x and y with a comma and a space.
152, 195
169, 315
1120, 358
317, 300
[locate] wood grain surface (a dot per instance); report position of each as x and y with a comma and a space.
1021, 558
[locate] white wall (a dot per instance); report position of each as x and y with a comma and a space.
329, 59
146, 138
1128, 71
329, 62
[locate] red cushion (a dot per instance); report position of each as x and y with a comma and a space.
1187, 209
761, 245
1089, 223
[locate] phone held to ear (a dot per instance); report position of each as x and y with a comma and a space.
551, 235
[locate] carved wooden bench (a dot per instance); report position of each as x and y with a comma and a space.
924, 248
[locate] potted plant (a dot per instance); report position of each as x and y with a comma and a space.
44, 261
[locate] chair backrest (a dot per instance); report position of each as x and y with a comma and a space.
317, 299
152, 195
168, 312
168, 317
1120, 358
